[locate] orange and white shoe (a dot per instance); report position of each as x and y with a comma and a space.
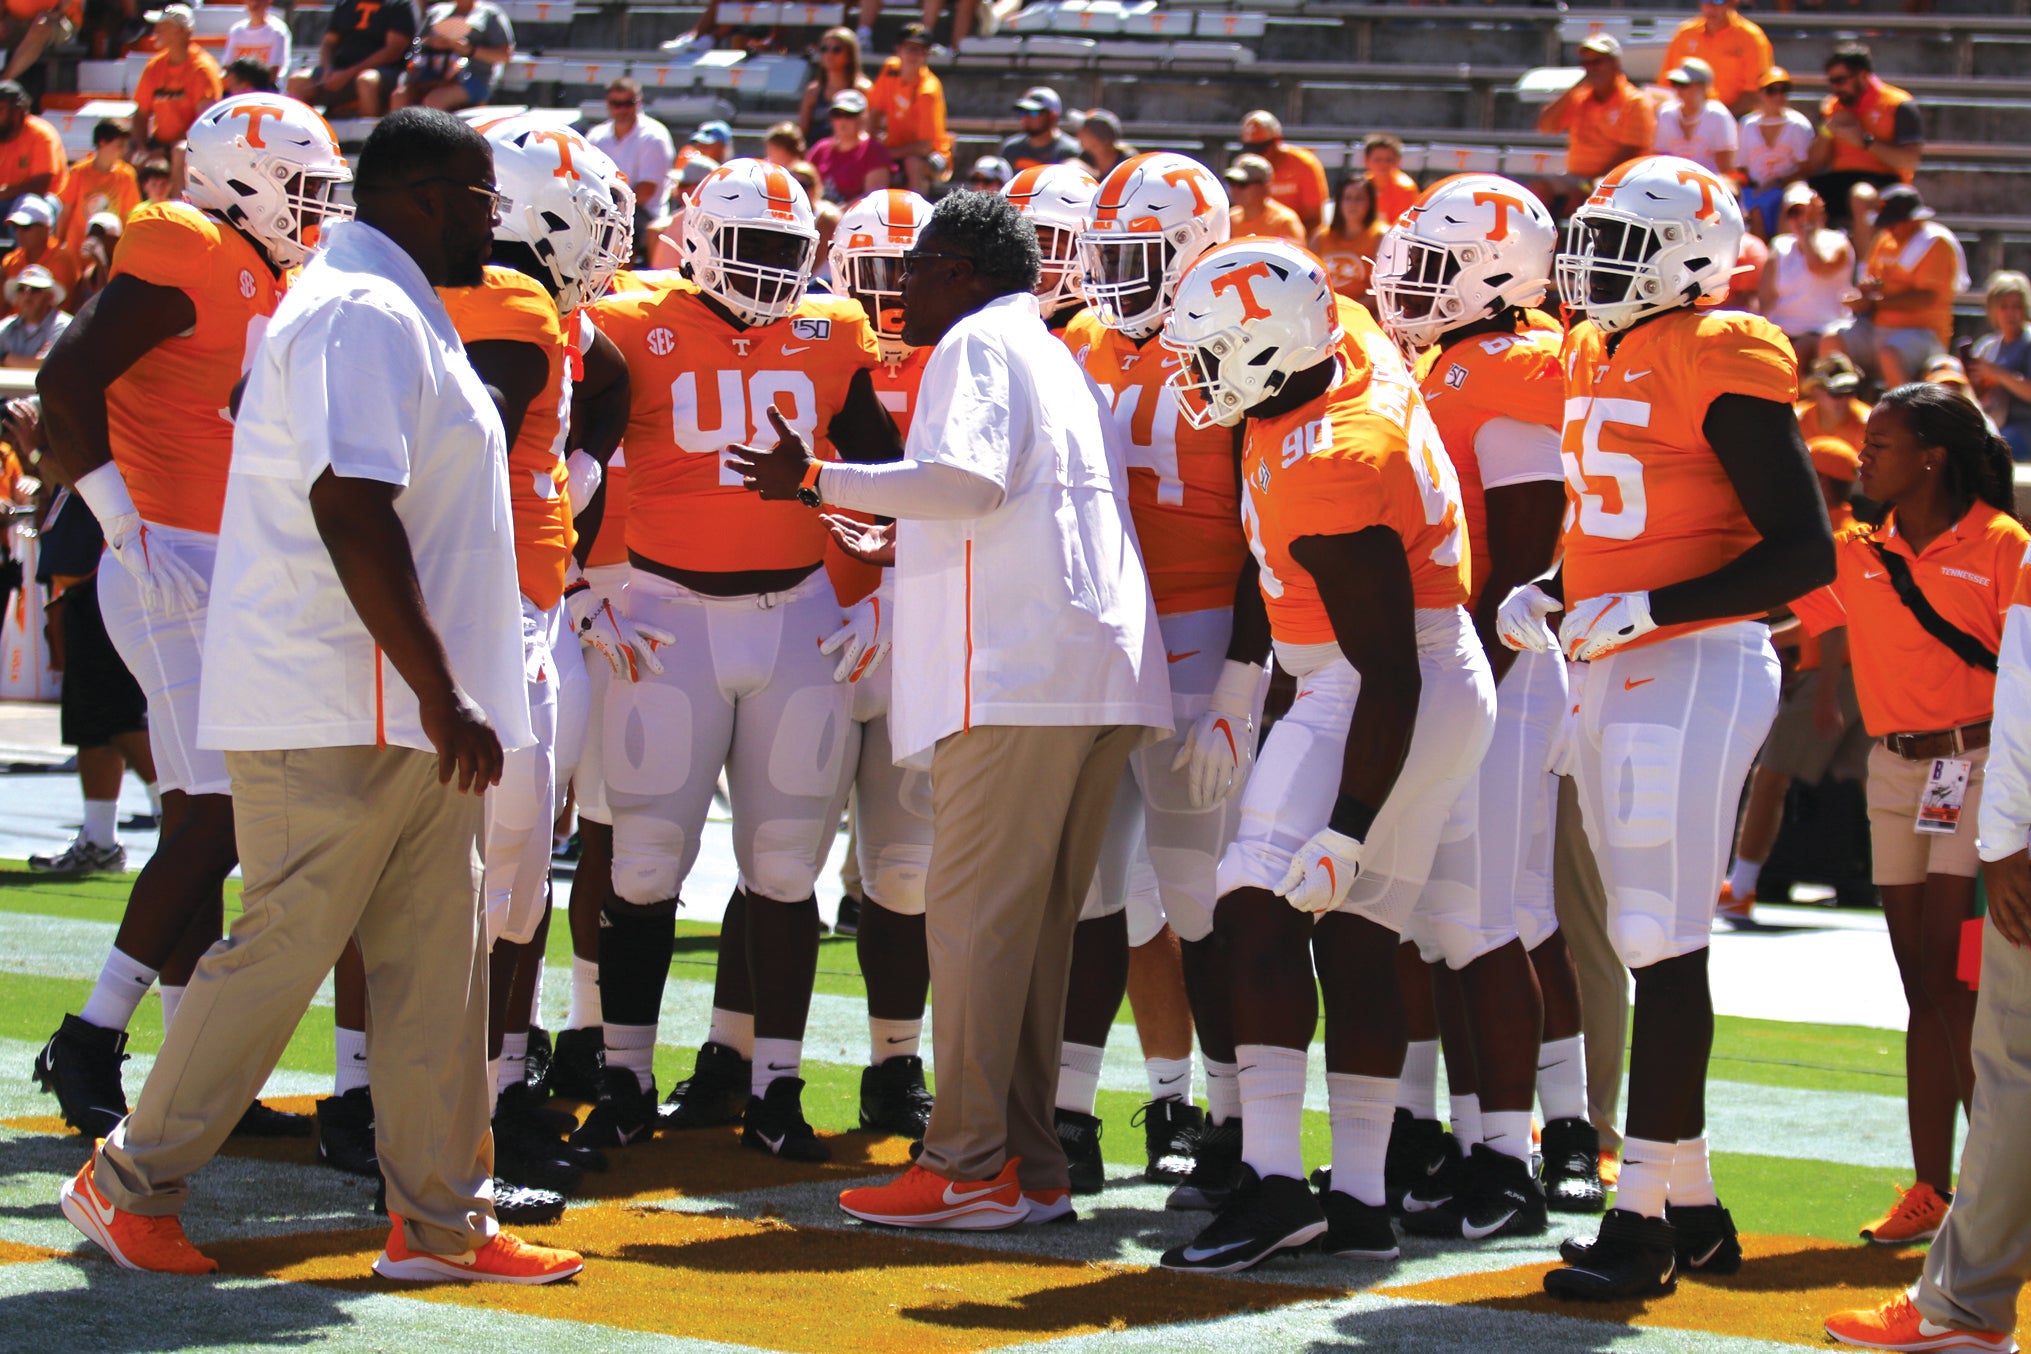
1898, 1324
1917, 1216
1050, 1205
1734, 911
504, 1259
921, 1198
1611, 1168
135, 1242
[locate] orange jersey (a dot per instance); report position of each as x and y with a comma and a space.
173, 93
1182, 485
90, 190
166, 415
698, 385
1599, 131
895, 385
1492, 376
610, 545
1364, 454
1648, 502
513, 307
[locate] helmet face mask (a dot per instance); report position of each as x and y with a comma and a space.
876, 281
749, 240
1659, 234
1206, 399
1471, 247
1249, 316
270, 166
1057, 200
1128, 279
1058, 281
1154, 217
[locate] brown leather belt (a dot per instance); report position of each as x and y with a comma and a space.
1920, 747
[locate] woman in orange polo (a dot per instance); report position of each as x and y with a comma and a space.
1952, 535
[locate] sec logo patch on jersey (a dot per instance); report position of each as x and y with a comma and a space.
247, 284
661, 341
806, 328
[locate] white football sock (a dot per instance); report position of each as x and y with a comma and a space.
514, 1061
1692, 1175
172, 997
1169, 1078
350, 1046
102, 819
1466, 1111
584, 1014
123, 982
1272, 1108
1742, 879
154, 791
536, 996
1417, 1090
1079, 1076
734, 1030
1507, 1132
775, 1059
1362, 1110
1223, 1090
893, 1039
1562, 1077
633, 1047
1646, 1176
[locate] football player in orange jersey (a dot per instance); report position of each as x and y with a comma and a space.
1457, 280
1358, 532
556, 246
746, 686
135, 398
1184, 496
1693, 511
1057, 200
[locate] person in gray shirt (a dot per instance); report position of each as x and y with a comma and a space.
462, 46
2000, 364
26, 335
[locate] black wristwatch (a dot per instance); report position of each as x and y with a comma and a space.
807, 492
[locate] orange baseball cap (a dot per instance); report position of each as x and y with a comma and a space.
1834, 458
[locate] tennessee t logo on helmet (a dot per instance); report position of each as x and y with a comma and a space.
1241, 282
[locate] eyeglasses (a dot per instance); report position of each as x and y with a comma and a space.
914, 257
622, 103
496, 202
828, 48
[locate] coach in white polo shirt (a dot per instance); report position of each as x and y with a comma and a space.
1028, 667
362, 672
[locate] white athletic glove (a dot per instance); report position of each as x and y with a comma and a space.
1220, 745
1322, 871
585, 476
863, 641
604, 627
168, 585
1520, 623
1561, 753
1600, 625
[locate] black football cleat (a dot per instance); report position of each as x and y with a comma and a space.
774, 1123
1706, 1238
576, 1060
1632, 1257
622, 1114
1262, 1215
536, 1062
262, 1121
1079, 1135
80, 1065
524, 1205
1418, 1150
1572, 1167
1452, 1177
715, 1093
530, 1148
847, 923
894, 1099
1216, 1157
1354, 1230
1505, 1199
345, 1133
1170, 1131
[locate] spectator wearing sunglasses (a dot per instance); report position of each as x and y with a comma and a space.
837, 64
642, 148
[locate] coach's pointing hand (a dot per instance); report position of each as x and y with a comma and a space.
777, 472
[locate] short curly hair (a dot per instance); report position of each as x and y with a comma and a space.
987, 228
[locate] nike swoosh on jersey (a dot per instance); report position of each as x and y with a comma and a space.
1472, 1233
1631, 683
1195, 1254
1629, 376
1867, 574
791, 350
628, 1135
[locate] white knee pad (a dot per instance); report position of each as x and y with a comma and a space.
782, 864
895, 877
1451, 924
650, 858
1646, 929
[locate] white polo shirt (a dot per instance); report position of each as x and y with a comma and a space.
362, 372
645, 155
267, 42
1039, 612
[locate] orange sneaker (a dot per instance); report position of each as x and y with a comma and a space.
1918, 1213
1732, 909
505, 1259
1611, 1168
134, 1241
921, 1198
1898, 1324
1049, 1205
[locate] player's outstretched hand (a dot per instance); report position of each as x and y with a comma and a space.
776, 472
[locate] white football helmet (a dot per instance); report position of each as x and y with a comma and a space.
868, 246
1658, 234
269, 165
1152, 219
1058, 199
750, 240
567, 202
1471, 247
1248, 317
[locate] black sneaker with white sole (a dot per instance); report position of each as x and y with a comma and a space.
345, 1133
525, 1205
1572, 1167
1504, 1200
536, 1061
1632, 1257
80, 1065
1418, 1150
1079, 1135
530, 1147
82, 858
577, 1057
1706, 1238
1263, 1215
1453, 1177
623, 1114
1216, 1156
1170, 1131
774, 1123
1354, 1230
894, 1099
715, 1093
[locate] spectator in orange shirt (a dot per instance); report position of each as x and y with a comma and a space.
179, 82
32, 158
33, 220
1872, 132
101, 182
1830, 408
1255, 211
1346, 244
1606, 119
1736, 49
1382, 157
1298, 180
1904, 315
906, 110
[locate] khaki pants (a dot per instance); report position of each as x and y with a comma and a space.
1604, 983
1982, 1257
1018, 814
337, 843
